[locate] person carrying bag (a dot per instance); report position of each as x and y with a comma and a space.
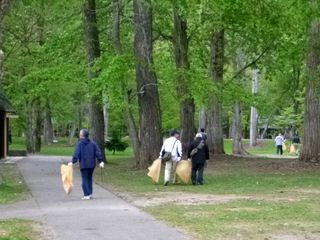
171, 153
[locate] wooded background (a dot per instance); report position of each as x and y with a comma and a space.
142, 68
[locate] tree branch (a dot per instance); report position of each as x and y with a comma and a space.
251, 63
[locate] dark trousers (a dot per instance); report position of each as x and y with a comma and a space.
197, 173
86, 175
279, 149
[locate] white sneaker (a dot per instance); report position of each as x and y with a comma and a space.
86, 198
90, 196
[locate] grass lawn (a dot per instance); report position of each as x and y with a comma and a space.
242, 198
12, 185
61, 149
15, 229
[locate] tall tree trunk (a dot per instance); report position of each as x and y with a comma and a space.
3, 7
38, 124
237, 146
117, 47
29, 127
202, 118
215, 131
311, 135
47, 125
187, 106
148, 97
254, 111
93, 52
71, 134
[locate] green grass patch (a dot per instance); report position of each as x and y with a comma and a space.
12, 185
15, 229
119, 173
244, 219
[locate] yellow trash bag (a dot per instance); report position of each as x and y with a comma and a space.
67, 178
154, 170
292, 149
183, 171
284, 147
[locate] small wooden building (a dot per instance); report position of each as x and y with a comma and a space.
5, 110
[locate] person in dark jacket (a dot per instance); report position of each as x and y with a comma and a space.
87, 152
198, 159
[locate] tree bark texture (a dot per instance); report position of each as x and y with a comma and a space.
38, 124
148, 95
187, 106
237, 146
214, 126
254, 110
3, 7
29, 128
47, 125
93, 52
311, 135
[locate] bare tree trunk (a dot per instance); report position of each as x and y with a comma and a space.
106, 120
148, 97
71, 135
47, 125
187, 106
38, 124
29, 128
215, 132
117, 46
311, 135
237, 146
3, 7
254, 111
202, 118
93, 52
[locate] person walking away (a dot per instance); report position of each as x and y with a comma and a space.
279, 142
203, 134
171, 145
198, 154
87, 152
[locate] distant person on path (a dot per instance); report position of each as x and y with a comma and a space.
87, 152
198, 153
172, 145
203, 134
279, 142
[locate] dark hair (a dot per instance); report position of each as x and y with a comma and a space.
85, 133
174, 132
202, 129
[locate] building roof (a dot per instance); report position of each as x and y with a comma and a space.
5, 105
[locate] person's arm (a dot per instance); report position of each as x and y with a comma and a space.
207, 152
76, 154
190, 149
98, 153
179, 150
161, 152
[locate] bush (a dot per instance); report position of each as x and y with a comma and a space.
116, 144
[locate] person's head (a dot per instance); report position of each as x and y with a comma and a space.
84, 133
279, 134
175, 134
198, 135
202, 130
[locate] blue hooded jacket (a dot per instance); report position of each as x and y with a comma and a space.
87, 152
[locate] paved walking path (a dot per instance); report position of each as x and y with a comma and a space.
68, 217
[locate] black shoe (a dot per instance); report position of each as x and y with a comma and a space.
193, 183
166, 183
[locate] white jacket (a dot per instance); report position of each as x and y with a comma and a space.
174, 146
